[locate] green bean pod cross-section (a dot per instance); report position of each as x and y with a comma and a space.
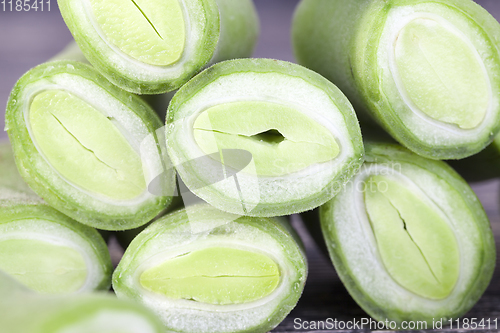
409, 238
262, 137
207, 271
88, 148
155, 46
427, 71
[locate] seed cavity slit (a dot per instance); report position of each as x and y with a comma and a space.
272, 136
413, 241
118, 172
145, 16
81, 144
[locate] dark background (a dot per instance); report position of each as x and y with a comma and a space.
30, 38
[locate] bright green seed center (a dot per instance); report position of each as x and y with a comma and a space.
151, 31
42, 266
85, 147
442, 73
417, 247
215, 275
281, 139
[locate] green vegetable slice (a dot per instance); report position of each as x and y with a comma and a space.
267, 130
41, 248
262, 137
88, 148
152, 47
426, 71
240, 274
25, 311
417, 230
159, 103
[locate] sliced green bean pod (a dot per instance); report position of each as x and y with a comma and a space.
151, 47
49, 252
41, 248
204, 270
88, 148
426, 71
262, 137
24, 311
409, 238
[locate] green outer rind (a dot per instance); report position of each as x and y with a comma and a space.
279, 230
220, 200
339, 39
12, 212
389, 153
312, 48
24, 311
28, 159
